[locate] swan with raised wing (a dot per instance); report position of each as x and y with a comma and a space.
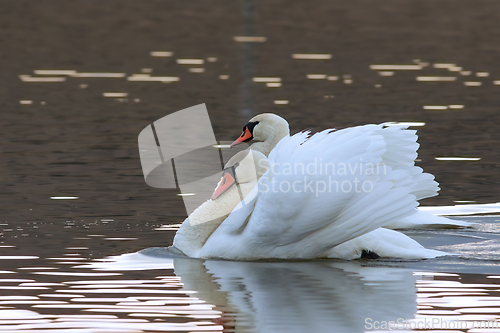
246, 219
270, 133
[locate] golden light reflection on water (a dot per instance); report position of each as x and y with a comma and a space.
472, 83
312, 56
443, 107
281, 102
149, 78
169, 227
161, 53
250, 39
435, 107
405, 123
426, 72
443, 65
99, 75
54, 71
29, 78
457, 158
436, 78
316, 76
190, 61
396, 67
115, 94
196, 70
266, 79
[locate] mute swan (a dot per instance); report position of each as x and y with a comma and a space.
267, 130
216, 229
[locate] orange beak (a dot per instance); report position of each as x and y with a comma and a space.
245, 136
226, 182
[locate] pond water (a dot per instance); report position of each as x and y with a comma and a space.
81, 79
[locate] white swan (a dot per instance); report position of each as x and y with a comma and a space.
217, 230
400, 144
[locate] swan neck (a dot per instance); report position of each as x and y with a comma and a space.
204, 220
268, 145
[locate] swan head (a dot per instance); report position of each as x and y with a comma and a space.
243, 170
265, 130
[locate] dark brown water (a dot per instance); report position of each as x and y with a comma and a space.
71, 138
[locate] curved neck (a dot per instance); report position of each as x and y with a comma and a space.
266, 146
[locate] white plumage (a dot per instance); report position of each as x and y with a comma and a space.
326, 195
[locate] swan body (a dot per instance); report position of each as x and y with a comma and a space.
273, 222
267, 130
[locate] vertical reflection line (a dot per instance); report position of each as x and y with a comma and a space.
238, 186
161, 155
175, 174
157, 142
247, 103
220, 156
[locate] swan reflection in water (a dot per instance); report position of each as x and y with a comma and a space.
285, 296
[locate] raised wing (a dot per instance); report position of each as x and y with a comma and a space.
342, 190
322, 191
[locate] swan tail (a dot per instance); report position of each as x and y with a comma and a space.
423, 219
